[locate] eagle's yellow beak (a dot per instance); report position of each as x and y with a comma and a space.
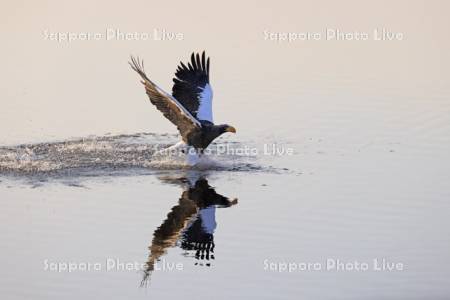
231, 129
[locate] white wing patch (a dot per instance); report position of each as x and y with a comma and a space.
205, 104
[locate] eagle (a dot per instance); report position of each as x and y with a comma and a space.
190, 224
189, 107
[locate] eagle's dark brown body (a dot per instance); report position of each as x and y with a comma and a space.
201, 138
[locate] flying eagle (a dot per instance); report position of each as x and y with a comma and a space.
190, 105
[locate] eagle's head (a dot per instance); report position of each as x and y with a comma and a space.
226, 128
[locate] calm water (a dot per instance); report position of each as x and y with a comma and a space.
228, 229
366, 187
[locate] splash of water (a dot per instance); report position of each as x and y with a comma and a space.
106, 155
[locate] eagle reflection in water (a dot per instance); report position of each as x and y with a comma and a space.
190, 224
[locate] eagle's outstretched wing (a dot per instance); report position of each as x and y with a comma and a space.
192, 89
168, 105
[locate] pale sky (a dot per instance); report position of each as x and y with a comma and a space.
57, 90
